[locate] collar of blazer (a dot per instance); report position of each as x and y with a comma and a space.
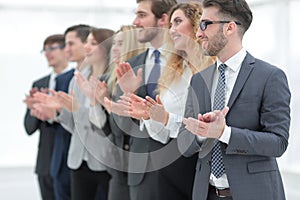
245, 71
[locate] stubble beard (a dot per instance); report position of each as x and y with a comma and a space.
217, 43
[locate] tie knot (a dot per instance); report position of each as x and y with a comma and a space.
222, 67
156, 56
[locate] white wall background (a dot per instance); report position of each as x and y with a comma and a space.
273, 36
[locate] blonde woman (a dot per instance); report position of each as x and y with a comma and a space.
164, 114
124, 46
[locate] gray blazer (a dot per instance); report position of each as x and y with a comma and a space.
259, 117
141, 144
84, 137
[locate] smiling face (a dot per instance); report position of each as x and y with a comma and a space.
74, 47
93, 51
181, 30
212, 38
55, 54
145, 22
117, 47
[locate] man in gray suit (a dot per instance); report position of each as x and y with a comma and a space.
237, 145
151, 22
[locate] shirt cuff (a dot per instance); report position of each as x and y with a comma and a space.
174, 123
200, 139
142, 124
226, 135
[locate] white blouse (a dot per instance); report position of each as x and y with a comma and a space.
174, 100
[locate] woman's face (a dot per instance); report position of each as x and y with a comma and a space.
181, 30
117, 47
93, 51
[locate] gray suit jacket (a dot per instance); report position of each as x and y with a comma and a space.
259, 117
84, 137
141, 144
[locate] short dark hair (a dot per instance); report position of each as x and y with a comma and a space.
160, 7
82, 31
56, 38
237, 10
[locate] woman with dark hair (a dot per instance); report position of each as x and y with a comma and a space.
89, 178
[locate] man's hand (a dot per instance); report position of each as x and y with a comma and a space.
138, 109
128, 81
29, 99
50, 101
210, 125
43, 112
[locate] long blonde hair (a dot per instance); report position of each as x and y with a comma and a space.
197, 62
130, 47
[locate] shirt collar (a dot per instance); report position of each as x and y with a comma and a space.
235, 62
53, 74
160, 49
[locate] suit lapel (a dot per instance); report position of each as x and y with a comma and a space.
208, 76
244, 73
44, 83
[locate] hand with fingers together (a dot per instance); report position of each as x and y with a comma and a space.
29, 99
138, 108
84, 85
157, 110
50, 101
100, 92
209, 125
68, 101
43, 111
128, 81
120, 108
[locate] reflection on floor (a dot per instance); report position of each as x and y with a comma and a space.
21, 183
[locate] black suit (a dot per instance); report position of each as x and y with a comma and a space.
45, 145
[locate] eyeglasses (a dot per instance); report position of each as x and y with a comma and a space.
203, 24
50, 49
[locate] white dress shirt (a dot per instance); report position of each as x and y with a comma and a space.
231, 72
149, 63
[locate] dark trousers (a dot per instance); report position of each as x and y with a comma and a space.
46, 187
62, 188
89, 185
147, 189
176, 180
118, 189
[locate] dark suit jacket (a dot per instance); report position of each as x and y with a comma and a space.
259, 117
141, 145
46, 138
59, 168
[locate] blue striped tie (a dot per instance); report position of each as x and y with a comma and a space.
217, 165
154, 75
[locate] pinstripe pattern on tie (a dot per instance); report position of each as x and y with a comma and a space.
217, 165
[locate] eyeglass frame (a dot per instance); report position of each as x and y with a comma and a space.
50, 49
203, 24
